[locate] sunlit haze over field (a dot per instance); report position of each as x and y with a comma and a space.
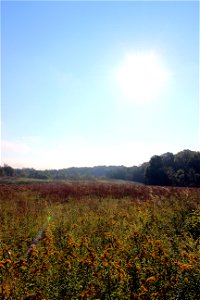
88, 83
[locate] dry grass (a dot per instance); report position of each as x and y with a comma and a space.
99, 241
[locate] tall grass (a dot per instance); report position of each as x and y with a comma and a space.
99, 241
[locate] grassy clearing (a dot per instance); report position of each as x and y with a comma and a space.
99, 241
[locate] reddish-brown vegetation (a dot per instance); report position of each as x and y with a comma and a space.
78, 190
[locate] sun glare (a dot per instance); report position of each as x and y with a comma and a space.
141, 77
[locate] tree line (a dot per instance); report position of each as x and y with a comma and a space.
181, 169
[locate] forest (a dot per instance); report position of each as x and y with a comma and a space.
168, 169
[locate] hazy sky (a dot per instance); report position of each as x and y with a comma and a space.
98, 83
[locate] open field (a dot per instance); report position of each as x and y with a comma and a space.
99, 240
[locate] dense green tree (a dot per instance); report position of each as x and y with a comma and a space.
1, 171
197, 179
181, 169
168, 159
8, 171
155, 173
180, 177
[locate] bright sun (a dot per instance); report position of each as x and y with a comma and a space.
141, 77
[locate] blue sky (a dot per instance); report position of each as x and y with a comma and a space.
98, 83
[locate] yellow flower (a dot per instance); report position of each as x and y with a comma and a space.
4, 262
1, 265
137, 267
129, 265
33, 251
105, 264
186, 280
71, 243
184, 267
154, 255
104, 256
116, 265
88, 262
184, 254
151, 279
157, 242
74, 226
68, 264
84, 241
165, 259
143, 289
193, 258
7, 289
109, 248
123, 274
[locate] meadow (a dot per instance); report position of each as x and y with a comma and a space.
99, 240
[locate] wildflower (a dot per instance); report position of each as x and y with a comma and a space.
193, 258
48, 239
104, 256
74, 226
87, 262
157, 243
136, 234
154, 255
174, 278
129, 265
165, 259
68, 264
33, 252
123, 274
85, 294
4, 262
7, 289
92, 253
184, 254
105, 264
155, 294
137, 267
148, 270
143, 289
20, 264
71, 243
109, 248
84, 241
184, 267
151, 279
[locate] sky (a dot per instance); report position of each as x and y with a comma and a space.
87, 83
